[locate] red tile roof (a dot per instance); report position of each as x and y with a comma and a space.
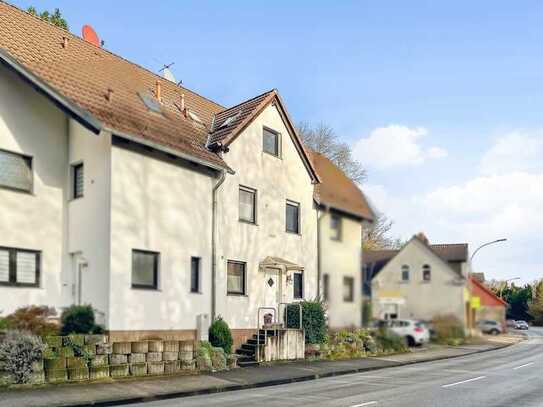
337, 191
84, 74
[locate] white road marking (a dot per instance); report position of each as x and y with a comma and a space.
521, 366
463, 381
369, 403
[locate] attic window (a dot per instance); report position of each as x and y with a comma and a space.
150, 102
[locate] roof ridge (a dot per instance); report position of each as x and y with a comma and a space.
247, 101
82, 40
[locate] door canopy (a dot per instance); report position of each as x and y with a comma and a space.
279, 263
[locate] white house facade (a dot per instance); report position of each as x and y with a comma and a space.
159, 207
343, 212
420, 281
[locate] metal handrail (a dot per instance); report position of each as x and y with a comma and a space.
258, 327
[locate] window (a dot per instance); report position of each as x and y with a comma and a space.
348, 289
293, 217
405, 272
145, 269
19, 267
194, 274
16, 171
235, 281
298, 284
335, 225
426, 273
326, 287
271, 142
247, 204
77, 178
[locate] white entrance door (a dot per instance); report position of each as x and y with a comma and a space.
78, 266
272, 290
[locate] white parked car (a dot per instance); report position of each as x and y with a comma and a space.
414, 332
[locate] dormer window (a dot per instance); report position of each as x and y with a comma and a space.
271, 141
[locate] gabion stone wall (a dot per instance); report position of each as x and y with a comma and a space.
92, 357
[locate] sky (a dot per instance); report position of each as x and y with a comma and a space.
440, 101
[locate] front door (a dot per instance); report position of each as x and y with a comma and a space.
272, 288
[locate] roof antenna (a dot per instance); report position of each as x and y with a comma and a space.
167, 73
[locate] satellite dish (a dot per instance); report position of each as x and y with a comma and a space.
90, 35
167, 74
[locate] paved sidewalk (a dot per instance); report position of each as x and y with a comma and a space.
119, 392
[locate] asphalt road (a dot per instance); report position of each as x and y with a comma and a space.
509, 377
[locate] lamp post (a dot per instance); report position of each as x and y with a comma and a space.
484, 245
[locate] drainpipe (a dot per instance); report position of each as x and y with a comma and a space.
213, 245
318, 254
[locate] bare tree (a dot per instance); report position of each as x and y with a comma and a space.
322, 139
375, 236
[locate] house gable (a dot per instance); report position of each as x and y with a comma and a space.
418, 250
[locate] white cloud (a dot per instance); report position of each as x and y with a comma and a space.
395, 145
516, 151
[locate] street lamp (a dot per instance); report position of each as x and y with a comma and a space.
484, 245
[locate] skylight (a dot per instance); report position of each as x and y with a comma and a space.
229, 120
150, 102
195, 117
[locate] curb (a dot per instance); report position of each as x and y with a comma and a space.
267, 383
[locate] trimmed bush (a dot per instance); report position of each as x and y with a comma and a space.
388, 341
220, 335
32, 319
448, 329
79, 319
203, 356
18, 352
313, 320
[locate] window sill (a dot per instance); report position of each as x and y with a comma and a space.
293, 233
278, 156
236, 295
141, 288
20, 191
247, 222
196, 292
18, 285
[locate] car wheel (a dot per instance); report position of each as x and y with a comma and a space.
494, 332
409, 341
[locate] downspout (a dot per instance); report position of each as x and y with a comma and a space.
318, 254
213, 244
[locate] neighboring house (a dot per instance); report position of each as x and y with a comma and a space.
157, 206
484, 303
419, 281
343, 212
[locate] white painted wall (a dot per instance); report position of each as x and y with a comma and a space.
159, 206
276, 180
31, 125
339, 259
88, 225
420, 300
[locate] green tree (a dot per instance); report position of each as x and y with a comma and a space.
54, 18
518, 299
536, 306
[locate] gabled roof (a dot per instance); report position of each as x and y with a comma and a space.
337, 191
229, 123
476, 285
449, 253
84, 75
